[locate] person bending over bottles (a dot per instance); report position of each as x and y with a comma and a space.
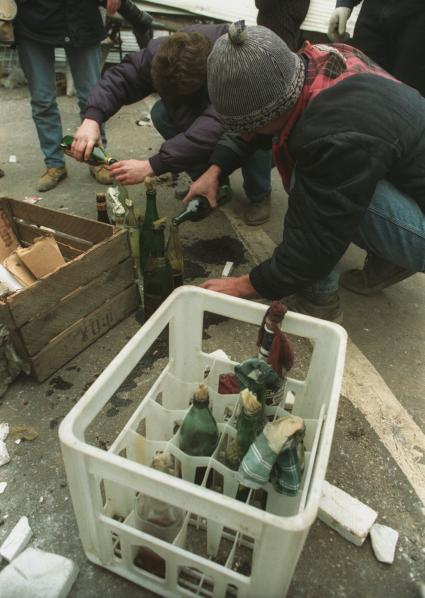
175, 67
349, 142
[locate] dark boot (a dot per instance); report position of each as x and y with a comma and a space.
326, 306
377, 274
258, 212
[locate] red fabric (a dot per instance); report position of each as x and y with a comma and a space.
228, 384
327, 66
281, 356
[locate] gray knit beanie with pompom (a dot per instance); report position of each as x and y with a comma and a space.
253, 77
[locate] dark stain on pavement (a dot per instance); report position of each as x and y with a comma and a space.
58, 383
217, 251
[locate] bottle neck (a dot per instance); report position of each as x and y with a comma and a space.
201, 404
186, 214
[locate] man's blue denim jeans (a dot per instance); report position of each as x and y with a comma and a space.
393, 228
38, 63
256, 172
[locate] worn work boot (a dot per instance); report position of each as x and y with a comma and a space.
51, 178
326, 306
258, 212
377, 274
101, 174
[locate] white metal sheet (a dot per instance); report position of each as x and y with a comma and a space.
316, 20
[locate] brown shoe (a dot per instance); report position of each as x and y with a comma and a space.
377, 274
258, 212
51, 178
101, 174
326, 306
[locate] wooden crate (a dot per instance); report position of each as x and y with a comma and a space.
63, 313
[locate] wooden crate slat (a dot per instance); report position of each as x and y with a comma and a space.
83, 333
41, 297
37, 333
76, 226
27, 234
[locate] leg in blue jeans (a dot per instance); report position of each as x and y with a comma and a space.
256, 172
393, 228
85, 65
38, 63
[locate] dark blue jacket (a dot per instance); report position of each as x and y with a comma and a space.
60, 23
196, 121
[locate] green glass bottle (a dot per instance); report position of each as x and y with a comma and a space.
151, 214
157, 276
199, 432
250, 422
98, 156
132, 226
174, 253
199, 207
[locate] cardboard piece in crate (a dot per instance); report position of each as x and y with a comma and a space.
58, 316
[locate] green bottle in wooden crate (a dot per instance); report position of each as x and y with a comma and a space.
199, 432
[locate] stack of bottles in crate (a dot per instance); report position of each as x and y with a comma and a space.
262, 451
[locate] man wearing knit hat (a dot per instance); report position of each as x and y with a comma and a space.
349, 143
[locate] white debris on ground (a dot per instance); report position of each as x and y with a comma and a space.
38, 574
345, 514
227, 270
4, 455
17, 540
384, 541
2, 487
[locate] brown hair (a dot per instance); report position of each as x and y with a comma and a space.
179, 67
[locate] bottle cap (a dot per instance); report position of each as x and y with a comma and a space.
201, 393
249, 401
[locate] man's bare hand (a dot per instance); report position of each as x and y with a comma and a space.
131, 172
112, 6
237, 286
86, 136
206, 185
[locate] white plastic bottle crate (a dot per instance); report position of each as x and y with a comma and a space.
225, 547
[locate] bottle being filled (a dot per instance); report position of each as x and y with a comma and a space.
132, 226
157, 276
174, 253
115, 194
199, 207
102, 213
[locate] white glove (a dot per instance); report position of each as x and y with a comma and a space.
337, 28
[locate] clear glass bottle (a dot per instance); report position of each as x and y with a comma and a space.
154, 516
199, 432
132, 226
174, 253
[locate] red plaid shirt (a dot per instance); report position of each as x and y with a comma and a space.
327, 66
